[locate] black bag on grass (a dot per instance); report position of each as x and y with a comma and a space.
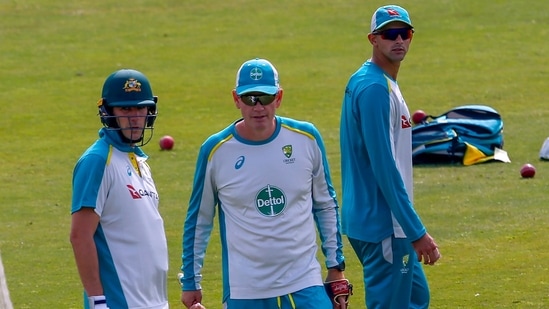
468, 134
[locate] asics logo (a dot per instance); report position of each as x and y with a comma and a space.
239, 162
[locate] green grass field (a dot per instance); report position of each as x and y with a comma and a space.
491, 225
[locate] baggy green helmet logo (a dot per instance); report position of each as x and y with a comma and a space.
270, 201
132, 84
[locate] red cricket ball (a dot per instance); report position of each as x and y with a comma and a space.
419, 116
166, 142
527, 171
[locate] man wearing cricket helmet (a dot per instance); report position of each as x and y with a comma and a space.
117, 233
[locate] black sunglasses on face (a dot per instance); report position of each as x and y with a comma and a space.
392, 34
252, 100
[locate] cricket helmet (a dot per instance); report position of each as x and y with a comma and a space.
126, 88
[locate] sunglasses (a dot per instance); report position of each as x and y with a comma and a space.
392, 34
252, 100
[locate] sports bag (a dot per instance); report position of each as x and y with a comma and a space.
468, 134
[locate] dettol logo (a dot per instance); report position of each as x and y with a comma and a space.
270, 201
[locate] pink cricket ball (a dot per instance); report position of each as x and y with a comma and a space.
527, 171
419, 116
166, 142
